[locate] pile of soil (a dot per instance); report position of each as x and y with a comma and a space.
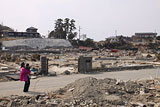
93, 92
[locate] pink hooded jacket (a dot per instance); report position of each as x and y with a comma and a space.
23, 74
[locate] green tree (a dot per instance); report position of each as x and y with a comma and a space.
59, 25
64, 29
158, 37
72, 35
88, 43
72, 25
66, 25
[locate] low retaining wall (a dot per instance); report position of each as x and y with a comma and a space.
40, 51
123, 68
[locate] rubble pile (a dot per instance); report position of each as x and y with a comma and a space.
66, 63
4, 79
93, 92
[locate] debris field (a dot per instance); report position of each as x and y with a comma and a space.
94, 93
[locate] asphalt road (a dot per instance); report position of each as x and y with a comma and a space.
47, 84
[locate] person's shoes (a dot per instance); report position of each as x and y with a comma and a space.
25, 91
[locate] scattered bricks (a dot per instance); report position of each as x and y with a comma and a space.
52, 74
17, 61
4, 68
90, 92
11, 104
157, 87
137, 104
150, 104
132, 87
66, 72
35, 57
114, 100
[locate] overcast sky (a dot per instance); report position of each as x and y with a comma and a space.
98, 19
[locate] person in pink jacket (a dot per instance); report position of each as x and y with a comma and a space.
24, 76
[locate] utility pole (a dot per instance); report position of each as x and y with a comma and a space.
2, 23
79, 35
116, 32
79, 32
48, 34
155, 31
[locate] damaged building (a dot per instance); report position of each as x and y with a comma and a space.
31, 32
143, 38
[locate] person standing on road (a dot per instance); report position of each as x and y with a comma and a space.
24, 76
28, 68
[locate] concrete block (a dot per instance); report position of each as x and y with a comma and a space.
44, 65
84, 64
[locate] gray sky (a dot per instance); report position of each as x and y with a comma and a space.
98, 18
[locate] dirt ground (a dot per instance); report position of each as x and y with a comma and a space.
60, 63
111, 88
94, 92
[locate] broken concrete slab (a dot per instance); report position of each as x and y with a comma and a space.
4, 68
107, 58
120, 68
13, 76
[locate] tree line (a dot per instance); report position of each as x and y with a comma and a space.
64, 29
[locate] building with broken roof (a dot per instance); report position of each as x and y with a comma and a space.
146, 35
112, 39
144, 38
31, 32
119, 38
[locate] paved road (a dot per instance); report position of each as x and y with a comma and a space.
47, 84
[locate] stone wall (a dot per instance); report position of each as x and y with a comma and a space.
36, 43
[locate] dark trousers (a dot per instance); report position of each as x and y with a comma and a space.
26, 85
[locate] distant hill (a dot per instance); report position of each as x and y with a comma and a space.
5, 28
